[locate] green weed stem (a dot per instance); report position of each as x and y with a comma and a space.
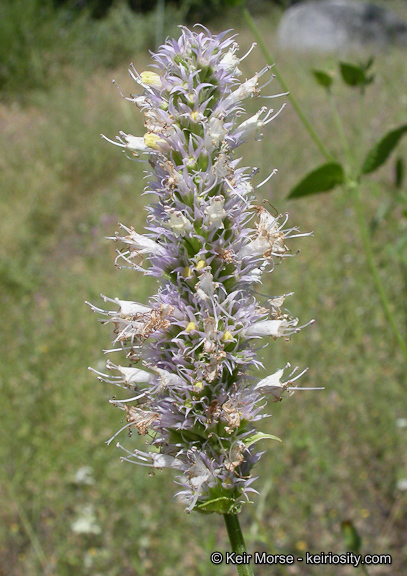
256, 33
373, 270
237, 542
340, 129
353, 186
350, 185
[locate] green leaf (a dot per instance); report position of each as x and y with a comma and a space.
250, 440
321, 179
352, 74
379, 153
221, 500
351, 538
221, 505
323, 78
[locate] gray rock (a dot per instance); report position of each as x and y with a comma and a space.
339, 25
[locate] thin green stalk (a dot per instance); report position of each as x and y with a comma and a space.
237, 542
364, 231
252, 25
361, 121
350, 185
375, 274
339, 128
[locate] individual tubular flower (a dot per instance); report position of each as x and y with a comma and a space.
191, 350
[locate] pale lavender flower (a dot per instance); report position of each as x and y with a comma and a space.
191, 351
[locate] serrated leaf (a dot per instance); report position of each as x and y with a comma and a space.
352, 74
379, 153
321, 179
323, 78
250, 440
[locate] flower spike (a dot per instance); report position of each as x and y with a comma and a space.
190, 354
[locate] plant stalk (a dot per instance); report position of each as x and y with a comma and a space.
340, 129
256, 33
375, 274
237, 542
353, 185
359, 208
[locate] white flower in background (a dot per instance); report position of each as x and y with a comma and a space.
86, 522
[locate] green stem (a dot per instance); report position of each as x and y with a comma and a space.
375, 274
237, 542
339, 128
350, 185
253, 27
364, 231
361, 118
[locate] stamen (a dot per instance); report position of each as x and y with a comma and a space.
128, 425
248, 52
117, 86
128, 399
296, 388
121, 144
274, 95
265, 122
265, 69
267, 179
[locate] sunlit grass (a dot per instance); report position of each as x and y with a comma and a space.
63, 191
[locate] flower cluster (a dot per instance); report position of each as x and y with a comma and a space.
189, 351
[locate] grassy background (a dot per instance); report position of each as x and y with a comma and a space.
63, 190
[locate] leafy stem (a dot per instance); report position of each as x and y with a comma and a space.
373, 269
331, 174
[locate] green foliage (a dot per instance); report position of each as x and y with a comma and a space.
27, 30
38, 44
221, 501
250, 440
324, 79
352, 75
322, 179
351, 538
356, 75
234, 2
381, 151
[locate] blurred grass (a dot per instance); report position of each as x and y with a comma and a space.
39, 45
63, 191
